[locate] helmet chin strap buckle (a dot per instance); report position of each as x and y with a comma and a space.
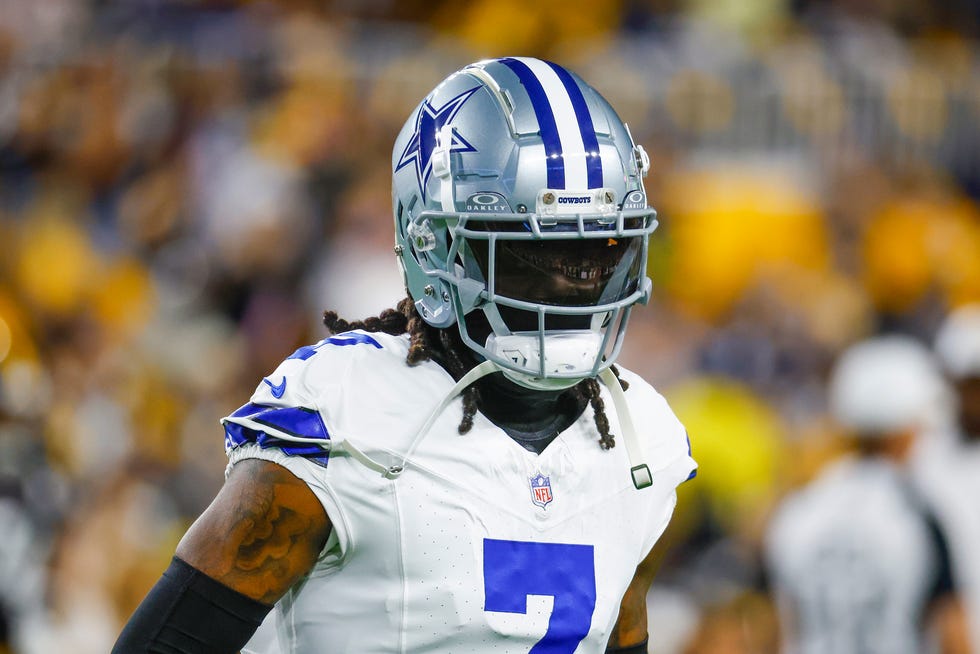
639, 471
641, 476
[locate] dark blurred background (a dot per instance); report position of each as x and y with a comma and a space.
185, 186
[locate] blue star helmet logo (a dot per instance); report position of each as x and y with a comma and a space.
428, 124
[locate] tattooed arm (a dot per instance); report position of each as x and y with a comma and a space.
261, 534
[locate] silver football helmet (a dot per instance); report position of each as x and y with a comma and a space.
520, 215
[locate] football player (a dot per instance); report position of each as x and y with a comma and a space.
948, 465
857, 560
467, 472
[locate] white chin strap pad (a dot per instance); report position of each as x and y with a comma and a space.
572, 355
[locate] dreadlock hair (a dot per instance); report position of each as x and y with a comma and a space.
430, 343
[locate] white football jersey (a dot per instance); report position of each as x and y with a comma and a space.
479, 546
854, 562
948, 470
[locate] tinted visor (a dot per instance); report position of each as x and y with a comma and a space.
575, 272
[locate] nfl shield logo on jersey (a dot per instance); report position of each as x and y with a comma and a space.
541, 490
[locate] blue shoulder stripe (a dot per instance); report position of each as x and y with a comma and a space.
340, 340
593, 161
546, 120
353, 338
237, 435
295, 421
248, 410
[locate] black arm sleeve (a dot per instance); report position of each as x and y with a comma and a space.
187, 612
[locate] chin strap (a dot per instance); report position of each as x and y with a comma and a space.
393, 471
639, 471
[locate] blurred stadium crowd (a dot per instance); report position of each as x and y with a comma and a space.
185, 186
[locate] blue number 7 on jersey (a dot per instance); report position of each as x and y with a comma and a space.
512, 570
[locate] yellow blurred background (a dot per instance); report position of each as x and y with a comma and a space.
185, 186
